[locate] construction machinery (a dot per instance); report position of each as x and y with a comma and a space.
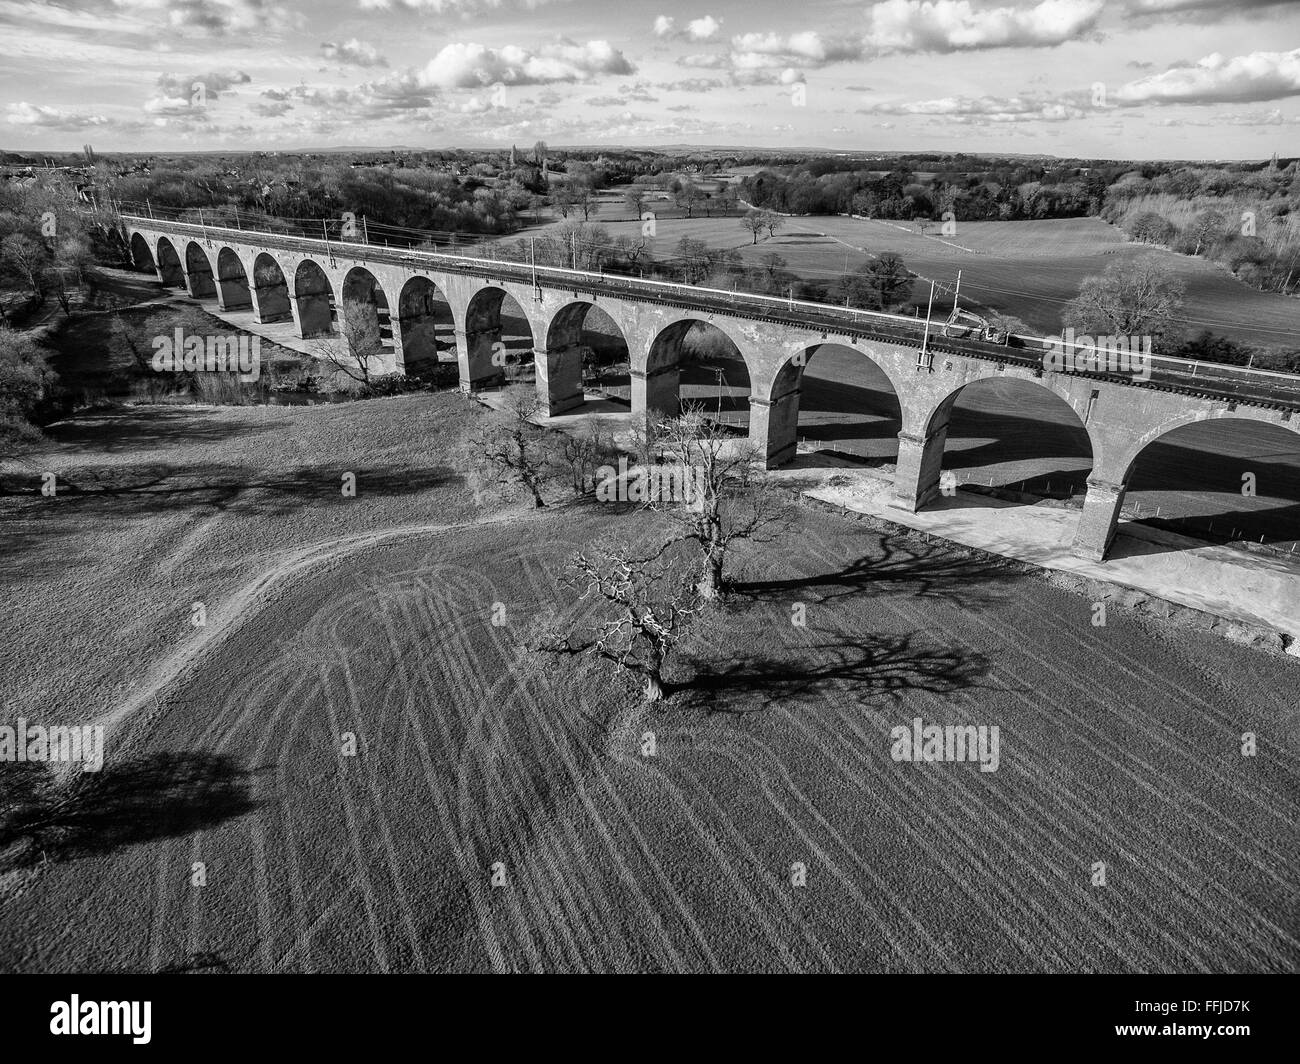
966, 324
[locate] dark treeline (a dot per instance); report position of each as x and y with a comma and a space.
963, 187
441, 192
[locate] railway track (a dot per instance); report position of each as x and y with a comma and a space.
1235, 384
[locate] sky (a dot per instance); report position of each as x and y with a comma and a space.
1159, 79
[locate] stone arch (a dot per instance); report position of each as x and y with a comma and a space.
312, 300
862, 402
270, 290
494, 337
423, 310
365, 319
233, 289
141, 256
170, 270
657, 387
1182, 419
1020, 444
1222, 475
560, 370
198, 272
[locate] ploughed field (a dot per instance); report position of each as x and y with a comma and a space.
476, 762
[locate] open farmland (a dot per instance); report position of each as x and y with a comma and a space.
372, 615
1027, 269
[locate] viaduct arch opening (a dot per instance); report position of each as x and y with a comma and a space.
499, 341
1226, 479
585, 347
233, 291
270, 290
141, 256
366, 322
694, 362
198, 272
313, 300
170, 271
840, 403
425, 326
1010, 433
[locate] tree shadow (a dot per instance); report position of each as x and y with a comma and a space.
197, 961
136, 490
118, 431
163, 795
877, 664
902, 566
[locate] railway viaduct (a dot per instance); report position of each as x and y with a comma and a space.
312, 282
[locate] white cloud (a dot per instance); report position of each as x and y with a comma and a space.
180, 94
760, 51
353, 52
26, 114
704, 28
956, 25
460, 8
982, 109
1250, 78
474, 65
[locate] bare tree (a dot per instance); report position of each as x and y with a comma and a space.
772, 222
1134, 298
562, 199
583, 452
634, 200
25, 379
1204, 226
506, 450
27, 258
355, 350
755, 223
631, 248
686, 195
637, 609
584, 199
728, 497
61, 292
75, 253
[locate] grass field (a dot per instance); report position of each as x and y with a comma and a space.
371, 615
1027, 269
